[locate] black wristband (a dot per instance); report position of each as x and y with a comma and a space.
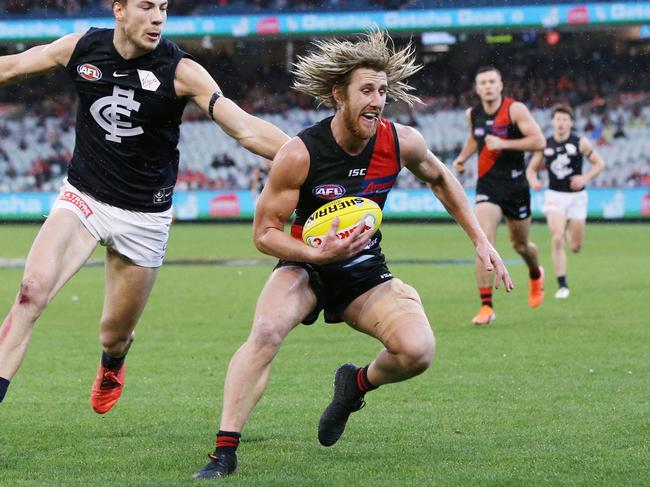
215, 96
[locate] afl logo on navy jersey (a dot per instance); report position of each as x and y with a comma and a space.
328, 191
89, 72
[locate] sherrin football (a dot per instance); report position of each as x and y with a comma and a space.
350, 210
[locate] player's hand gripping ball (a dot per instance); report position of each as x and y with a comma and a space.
350, 210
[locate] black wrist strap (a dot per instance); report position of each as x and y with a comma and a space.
213, 99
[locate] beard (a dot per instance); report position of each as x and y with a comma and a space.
352, 124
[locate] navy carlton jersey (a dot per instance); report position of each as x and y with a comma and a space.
334, 173
127, 124
563, 160
498, 170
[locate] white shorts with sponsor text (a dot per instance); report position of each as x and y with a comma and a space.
572, 205
139, 236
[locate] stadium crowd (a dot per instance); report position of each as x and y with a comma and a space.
36, 133
36, 143
81, 8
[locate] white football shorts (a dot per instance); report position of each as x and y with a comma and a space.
572, 205
139, 236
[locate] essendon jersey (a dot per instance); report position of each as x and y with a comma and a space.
127, 124
334, 173
563, 160
502, 171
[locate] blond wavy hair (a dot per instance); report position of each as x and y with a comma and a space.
333, 61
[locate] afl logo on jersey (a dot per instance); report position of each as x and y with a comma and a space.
89, 72
328, 191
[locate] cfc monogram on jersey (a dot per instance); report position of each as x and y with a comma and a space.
563, 160
128, 123
109, 112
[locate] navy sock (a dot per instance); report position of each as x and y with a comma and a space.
536, 274
113, 363
561, 281
4, 385
227, 442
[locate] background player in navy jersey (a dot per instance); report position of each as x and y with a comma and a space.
359, 153
133, 87
565, 200
501, 130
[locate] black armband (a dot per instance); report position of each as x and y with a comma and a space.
215, 96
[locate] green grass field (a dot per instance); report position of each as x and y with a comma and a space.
553, 396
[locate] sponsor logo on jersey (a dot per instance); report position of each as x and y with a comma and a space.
377, 185
328, 191
479, 132
112, 112
89, 72
357, 172
78, 201
549, 151
500, 130
148, 80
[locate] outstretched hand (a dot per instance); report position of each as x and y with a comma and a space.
492, 262
335, 249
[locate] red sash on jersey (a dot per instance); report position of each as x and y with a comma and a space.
487, 158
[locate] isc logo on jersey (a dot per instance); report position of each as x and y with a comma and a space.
328, 191
89, 72
351, 211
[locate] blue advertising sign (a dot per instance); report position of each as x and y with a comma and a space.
412, 204
259, 25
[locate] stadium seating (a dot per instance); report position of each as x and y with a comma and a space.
34, 150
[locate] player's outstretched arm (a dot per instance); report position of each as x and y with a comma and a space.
37, 60
255, 134
469, 147
276, 204
427, 167
533, 169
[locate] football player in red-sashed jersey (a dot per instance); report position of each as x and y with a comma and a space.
356, 152
500, 131
565, 200
133, 86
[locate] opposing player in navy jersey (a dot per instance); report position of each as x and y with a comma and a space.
133, 86
355, 152
565, 200
501, 130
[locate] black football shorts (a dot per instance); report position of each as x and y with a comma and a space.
337, 285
